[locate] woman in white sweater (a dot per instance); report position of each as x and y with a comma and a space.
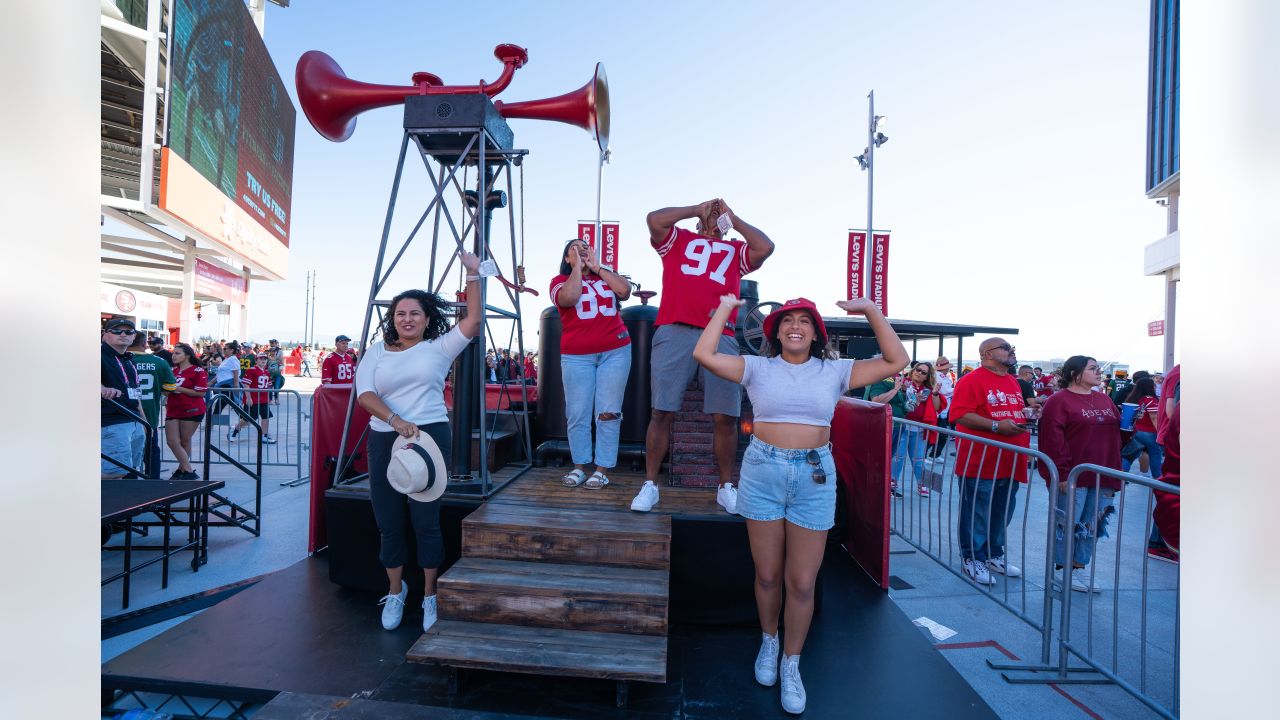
400, 381
787, 491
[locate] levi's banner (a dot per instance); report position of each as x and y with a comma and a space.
587, 234
216, 282
857, 263
609, 244
879, 290
1155, 328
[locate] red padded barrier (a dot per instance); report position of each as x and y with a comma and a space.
328, 410
861, 434
499, 397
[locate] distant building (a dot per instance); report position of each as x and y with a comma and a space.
1161, 179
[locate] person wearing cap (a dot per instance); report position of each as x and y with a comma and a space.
400, 382
946, 387
156, 344
787, 490
122, 436
340, 365
697, 268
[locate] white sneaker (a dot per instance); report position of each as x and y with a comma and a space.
767, 661
793, 697
268, 440
727, 498
646, 498
999, 565
1080, 581
428, 612
393, 607
977, 570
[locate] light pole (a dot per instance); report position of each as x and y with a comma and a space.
867, 161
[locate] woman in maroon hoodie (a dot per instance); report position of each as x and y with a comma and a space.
1081, 426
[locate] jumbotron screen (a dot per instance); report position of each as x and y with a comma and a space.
230, 117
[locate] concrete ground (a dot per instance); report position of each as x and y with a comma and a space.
925, 577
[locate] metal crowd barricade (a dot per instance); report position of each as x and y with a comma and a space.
289, 427
1104, 663
929, 523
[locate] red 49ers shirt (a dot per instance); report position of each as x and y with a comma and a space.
992, 397
696, 271
338, 368
593, 325
256, 378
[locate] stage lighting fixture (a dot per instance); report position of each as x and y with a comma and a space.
881, 139
862, 160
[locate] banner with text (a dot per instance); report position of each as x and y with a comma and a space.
215, 282
609, 244
1155, 328
879, 287
857, 262
587, 234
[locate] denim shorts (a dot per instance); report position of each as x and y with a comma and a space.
778, 483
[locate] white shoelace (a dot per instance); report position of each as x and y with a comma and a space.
388, 598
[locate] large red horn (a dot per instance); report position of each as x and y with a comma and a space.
331, 100
587, 107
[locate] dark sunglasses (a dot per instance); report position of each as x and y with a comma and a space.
814, 459
122, 331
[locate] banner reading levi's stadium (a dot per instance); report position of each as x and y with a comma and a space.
227, 165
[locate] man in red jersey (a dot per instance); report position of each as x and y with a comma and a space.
340, 365
697, 268
988, 403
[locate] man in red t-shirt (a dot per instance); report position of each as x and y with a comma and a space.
987, 403
697, 268
340, 365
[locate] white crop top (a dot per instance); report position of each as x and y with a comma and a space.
804, 394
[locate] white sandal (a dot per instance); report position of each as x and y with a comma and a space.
597, 480
573, 478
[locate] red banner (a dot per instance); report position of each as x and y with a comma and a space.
587, 234
214, 281
609, 247
880, 271
857, 262
1155, 328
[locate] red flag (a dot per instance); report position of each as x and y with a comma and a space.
880, 271
609, 247
857, 253
587, 234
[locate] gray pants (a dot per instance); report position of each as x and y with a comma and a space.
671, 367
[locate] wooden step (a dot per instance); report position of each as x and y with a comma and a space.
560, 535
543, 651
554, 595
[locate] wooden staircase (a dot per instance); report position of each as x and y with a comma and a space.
555, 591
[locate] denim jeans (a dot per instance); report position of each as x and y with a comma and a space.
1154, 452
1087, 511
909, 443
594, 385
981, 527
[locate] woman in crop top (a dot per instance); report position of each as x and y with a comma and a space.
595, 359
400, 381
787, 490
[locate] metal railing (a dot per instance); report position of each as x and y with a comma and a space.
146, 471
930, 522
289, 428
232, 514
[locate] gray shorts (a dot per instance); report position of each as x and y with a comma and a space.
671, 367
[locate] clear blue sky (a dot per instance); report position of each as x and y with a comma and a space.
1012, 181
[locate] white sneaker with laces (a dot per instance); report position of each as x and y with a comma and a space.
999, 565
793, 696
428, 612
393, 607
646, 498
767, 661
268, 440
1080, 581
977, 570
727, 498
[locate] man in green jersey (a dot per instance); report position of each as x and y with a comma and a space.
155, 377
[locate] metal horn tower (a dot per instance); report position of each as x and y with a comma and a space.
456, 131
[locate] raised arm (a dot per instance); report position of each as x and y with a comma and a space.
470, 325
617, 284
706, 352
759, 246
571, 291
661, 221
893, 356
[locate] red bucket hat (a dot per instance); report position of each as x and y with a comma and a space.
772, 320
